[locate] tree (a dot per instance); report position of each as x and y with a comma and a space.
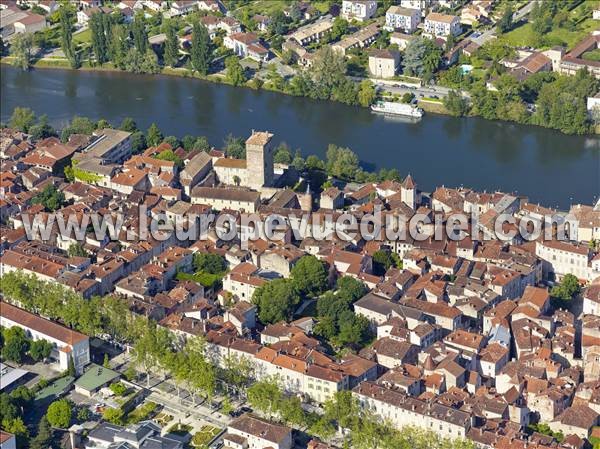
282, 154
119, 45
568, 288
15, 344
328, 72
209, 263
78, 125
343, 408
66, 21
77, 250
171, 55
51, 198
265, 395
341, 162
101, 27
234, 72
200, 51
106, 362
505, 23
71, 372
276, 300
309, 276
44, 435
83, 414
153, 136
140, 35
138, 142
421, 56
195, 143
114, 415
20, 47
18, 428
59, 414
366, 94
234, 147
22, 119
8, 408
456, 104
340, 27
169, 155
292, 412
40, 350
382, 261
128, 124
138, 62
41, 129
22, 397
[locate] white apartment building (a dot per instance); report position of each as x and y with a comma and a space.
405, 19
421, 5
442, 25
563, 258
591, 301
67, 343
400, 410
358, 9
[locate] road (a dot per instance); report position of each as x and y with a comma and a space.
419, 92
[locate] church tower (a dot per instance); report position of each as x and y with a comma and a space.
408, 192
259, 159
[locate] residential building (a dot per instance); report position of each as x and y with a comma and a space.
226, 198
195, 171
593, 105
404, 19
67, 344
109, 146
331, 198
360, 10
361, 39
7, 440
442, 25
574, 61
401, 410
246, 45
252, 432
313, 32
383, 63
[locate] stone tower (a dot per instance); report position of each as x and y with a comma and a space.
408, 192
259, 159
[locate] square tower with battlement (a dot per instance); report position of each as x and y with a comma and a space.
259, 159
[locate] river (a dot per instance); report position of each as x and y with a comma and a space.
549, 167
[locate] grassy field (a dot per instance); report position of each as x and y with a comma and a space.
433, 105
524, 36
205, 436
84, 37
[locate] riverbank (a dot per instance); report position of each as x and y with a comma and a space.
428, 105
437, 150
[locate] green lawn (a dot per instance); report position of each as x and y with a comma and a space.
206, 279
205, 436
84, 37
593, 55
524, 36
